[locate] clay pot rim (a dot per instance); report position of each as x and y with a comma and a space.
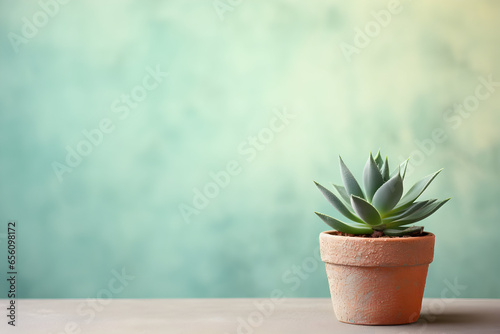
376, 252
333, 233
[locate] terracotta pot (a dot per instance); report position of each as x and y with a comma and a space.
376, 281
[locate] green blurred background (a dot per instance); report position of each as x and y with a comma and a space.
232, 67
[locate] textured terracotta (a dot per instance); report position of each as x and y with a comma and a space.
376, 281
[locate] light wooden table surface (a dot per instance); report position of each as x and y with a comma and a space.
240, 316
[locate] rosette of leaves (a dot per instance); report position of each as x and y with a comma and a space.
380, 205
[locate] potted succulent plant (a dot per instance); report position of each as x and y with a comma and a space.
377, 264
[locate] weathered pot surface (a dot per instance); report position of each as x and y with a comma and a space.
376, 281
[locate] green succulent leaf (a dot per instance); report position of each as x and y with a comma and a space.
350, 183
403, 231
402, 166
343, 227
365, 211
337, 203
416, 190
406, 163
372, 178
385, 170
411, 209
378, 160
418, 215
388, 195
343, 193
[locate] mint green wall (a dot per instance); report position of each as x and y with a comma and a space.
229, 75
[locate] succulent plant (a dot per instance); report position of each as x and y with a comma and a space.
380, 207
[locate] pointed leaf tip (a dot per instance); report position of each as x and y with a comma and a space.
416, 190
378, 160
385, 169
372, 178
423, 213
351, 185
